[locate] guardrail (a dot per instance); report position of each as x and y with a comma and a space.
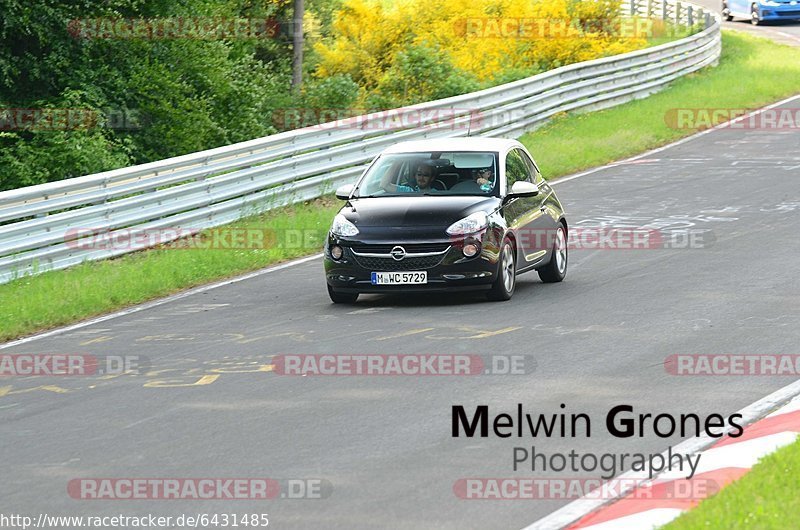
39, 224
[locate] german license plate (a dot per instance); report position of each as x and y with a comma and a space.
399, 278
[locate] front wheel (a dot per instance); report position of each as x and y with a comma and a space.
726, 12
503, 286
338, 297
755, 19
556, 270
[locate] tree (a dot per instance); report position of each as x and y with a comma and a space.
297, 46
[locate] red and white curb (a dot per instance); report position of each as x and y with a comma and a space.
721, 464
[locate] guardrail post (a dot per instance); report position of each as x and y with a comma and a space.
633, 8
708, 21
678, 13
105, 187
649, 8
664, 10
689, 17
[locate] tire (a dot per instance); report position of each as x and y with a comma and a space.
754, 18
726, 12
338, 297
503, 287
556, 270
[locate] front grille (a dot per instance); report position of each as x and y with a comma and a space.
411, 248
407, 264
792, 13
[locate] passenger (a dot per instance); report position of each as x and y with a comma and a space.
485, 178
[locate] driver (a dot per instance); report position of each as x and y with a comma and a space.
424, 178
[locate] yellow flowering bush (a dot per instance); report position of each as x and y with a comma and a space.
398, 52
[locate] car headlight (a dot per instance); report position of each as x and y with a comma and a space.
470, 224
342, 227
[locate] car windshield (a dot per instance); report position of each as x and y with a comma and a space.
431, 173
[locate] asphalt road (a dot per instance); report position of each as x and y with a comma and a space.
598, 339
782, 31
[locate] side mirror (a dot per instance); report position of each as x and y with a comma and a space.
343, 192
523, 188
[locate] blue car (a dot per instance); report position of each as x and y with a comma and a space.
759, 11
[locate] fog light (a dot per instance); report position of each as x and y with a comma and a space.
470, 250
336, 252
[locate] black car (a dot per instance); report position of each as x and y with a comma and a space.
446, 215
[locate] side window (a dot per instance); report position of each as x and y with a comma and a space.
532, 169
515, 168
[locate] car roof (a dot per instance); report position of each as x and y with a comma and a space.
472, 143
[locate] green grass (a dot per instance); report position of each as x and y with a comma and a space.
752, 72
767, 498
58, 297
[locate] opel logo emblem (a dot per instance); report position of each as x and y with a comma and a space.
398, 253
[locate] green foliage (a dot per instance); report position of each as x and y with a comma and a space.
188, 94
515, 74
48, 156
335, 92
420, 73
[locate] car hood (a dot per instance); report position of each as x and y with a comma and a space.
415, 211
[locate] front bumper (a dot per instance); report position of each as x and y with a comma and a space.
448, 270
780, 12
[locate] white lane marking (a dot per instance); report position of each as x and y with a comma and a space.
787, 35
368, 310
650, 519
578, 508
187, 309
155, 303
158, 302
